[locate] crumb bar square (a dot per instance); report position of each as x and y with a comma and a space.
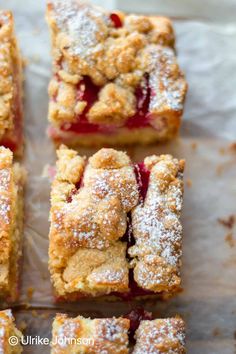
115, 227
115, 80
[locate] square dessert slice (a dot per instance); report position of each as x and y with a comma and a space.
7, 330
160, 336
115, 226
12, 178
11, 114
82, 335
115, 80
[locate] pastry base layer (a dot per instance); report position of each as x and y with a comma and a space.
124, 136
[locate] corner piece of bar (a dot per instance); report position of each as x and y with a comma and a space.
160, 336
157, 229
12, 179
116, 79
11, 110
8, 330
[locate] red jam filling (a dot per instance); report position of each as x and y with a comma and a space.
13, 141
88, 92
116, 20
142, 177
135, 317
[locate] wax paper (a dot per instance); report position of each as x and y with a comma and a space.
207, 54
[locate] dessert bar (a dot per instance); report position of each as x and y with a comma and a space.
160, 336
115, 227
12, 178
85, 335
115, 80
111, 336
8, 332
11, 111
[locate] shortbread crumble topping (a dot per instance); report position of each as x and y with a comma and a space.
160, 336
117, 56
108, 335
108, 216
156, 226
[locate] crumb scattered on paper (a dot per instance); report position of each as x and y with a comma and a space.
189, 182
232, 147
194, 145
30, 292
22, 326
229, 238
228, 221
34, 313
216, 332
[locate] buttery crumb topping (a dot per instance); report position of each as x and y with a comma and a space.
91, 200
108, 335
157, 228
160, 336
8, 330
12, 179
87, 42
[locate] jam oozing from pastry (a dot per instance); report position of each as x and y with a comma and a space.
142, 176
116, 20
136, 316
13, 141
74, 190
88, 92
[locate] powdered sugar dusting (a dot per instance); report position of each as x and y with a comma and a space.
111, 275
80, 21
114, 331
67, 331
97, 214
5, 319
159, 336
5, 208
167, 90
156, 225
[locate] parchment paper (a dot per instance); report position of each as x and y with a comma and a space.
207, 54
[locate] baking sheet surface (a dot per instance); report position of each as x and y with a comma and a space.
207, 54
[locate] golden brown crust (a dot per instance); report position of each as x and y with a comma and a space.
157, 229
160, 336
11, 222
10, 77
7, 330
109, 335
87, 222
86, 43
